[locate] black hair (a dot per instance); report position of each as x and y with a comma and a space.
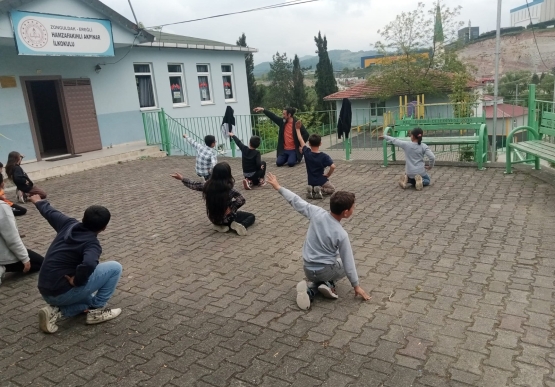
13, 160
341, 201
417, 133
315, 140
209, 140
96, 218
254, 142
1, 165
291, 111
216, 192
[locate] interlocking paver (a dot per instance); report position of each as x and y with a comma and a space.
461, 277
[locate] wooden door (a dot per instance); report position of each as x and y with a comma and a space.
81, 114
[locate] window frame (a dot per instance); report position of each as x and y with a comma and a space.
210, 88
376, 106
152, 82
233, 90
181, 74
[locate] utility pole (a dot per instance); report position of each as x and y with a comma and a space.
133, 11
496, 83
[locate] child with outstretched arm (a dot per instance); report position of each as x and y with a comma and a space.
254, 169
325, 240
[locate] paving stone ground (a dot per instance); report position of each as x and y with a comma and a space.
461, 274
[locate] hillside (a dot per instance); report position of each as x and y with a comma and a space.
518, 52
339, 58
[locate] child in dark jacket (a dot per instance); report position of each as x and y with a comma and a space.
17, 210
222, 200
254, 169
25, 186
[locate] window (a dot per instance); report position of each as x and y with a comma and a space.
203, 73
227, 76
177, 84
145, 86
377, 108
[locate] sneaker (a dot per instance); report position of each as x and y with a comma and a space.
48, 317
303, 296
2, 271
419, 185
262, 182
328, 290
309, 192
238, 228
220, 228
20, 196
403, 181
97, 316
247, 184
318, 193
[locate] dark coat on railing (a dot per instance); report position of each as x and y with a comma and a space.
279, 122
345, 118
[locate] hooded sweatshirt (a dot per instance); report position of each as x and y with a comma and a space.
75, 251
12, 249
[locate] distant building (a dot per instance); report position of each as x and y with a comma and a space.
367, 61
535, 11
469, 33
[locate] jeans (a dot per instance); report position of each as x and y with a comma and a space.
103, 281
36, 262
289, 157
425, 180
245, 218
258, 175
328, 273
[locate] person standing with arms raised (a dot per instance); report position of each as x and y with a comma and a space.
288, 148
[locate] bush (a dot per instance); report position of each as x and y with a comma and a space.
466, 153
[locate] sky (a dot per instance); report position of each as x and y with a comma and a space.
348, 24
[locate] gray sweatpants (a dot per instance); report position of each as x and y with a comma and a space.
328, 273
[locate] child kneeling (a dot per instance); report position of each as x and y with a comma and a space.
325, 239
222, 200
254, 169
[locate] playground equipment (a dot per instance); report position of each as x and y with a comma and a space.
412, 109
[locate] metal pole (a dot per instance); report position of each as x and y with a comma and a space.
133, 11
496, 82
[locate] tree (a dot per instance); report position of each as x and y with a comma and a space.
464, 102
535, 79
254, 99
418, 50
545, 87
279, 94
298, 93
512, 83
325, 80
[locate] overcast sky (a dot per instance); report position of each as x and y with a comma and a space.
348, 24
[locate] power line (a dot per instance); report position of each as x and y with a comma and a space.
274, 6
535, 40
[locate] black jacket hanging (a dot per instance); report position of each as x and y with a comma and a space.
228, 124
345, 118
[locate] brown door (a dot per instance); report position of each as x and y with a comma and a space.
84, 134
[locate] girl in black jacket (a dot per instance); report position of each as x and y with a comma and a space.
25, 186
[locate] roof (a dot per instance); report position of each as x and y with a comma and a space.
164, 39
7, 5
524, 6
364, 90
506, 111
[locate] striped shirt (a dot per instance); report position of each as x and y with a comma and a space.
206, 158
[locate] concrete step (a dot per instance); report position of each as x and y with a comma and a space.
43, 170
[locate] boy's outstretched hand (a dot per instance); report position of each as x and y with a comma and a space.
34, 199
230, 134
272, 180
177, 176
360, 292
298, 125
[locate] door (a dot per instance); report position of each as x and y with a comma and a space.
84, 134
47, 114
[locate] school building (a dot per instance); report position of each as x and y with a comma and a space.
75, 77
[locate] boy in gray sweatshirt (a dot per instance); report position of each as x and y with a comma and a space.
325, 239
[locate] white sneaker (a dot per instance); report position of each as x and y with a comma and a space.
303, 299
238, 228
220, 228
318, 193
2, 271
403, 181
97, 316
48, 316
310, 192
419, 185
20, 196
327, 291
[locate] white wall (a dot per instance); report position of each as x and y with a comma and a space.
521, 18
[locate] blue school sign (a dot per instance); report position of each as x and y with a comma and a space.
57, 35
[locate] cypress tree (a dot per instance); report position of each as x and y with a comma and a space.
325, 80
298, 94
254, 99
